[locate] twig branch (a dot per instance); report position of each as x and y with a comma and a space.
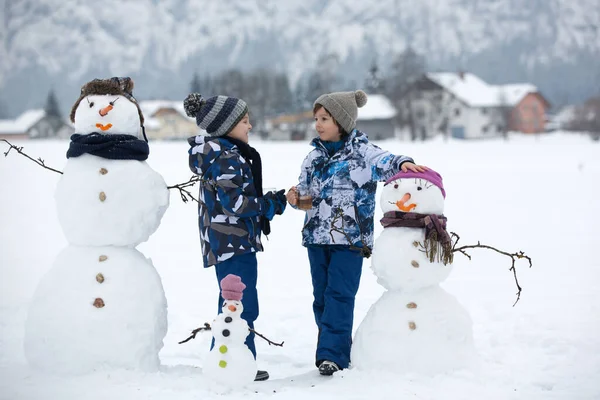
185, 194
206, 327
513, 256
19, 150
268, 341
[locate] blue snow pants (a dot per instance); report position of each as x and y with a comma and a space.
335, 272
244, 266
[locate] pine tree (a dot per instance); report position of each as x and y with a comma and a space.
195, 85
52, 108
374, 82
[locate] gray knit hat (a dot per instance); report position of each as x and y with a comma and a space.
217, 115
343, 106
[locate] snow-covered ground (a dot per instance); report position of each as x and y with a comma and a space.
540, 195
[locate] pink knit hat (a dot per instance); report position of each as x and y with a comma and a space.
429, 175
232, 287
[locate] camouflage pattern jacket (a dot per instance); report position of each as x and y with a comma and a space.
343, 188
229, 209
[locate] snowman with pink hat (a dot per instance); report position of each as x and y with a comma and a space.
416, 326
230, 361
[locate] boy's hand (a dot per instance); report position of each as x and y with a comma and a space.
408, 166
292, 196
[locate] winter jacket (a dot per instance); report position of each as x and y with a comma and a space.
229, 209
343, 187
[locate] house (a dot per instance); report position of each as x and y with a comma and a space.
35, 124
298, 126
376, 118
527, 107
167, 120
464, 106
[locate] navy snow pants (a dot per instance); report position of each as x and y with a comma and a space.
335, 274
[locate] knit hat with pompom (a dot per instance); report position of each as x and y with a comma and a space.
343, 106
217, 115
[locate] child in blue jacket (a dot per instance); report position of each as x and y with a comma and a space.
341, 175
232, 210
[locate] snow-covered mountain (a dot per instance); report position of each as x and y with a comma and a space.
61, 44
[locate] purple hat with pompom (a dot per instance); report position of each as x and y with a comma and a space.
429, 175
232, 287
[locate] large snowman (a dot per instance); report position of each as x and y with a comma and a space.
416, 326
230, 361
102, 304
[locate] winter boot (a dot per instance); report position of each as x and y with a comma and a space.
261, 375
328, 368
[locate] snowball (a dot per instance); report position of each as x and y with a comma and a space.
399, 265
426, 331
97, 308
230, 362
104, 202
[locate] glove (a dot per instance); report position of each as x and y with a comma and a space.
275, 203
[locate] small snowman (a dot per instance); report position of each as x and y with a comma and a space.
230, 362
102, 304
416, 326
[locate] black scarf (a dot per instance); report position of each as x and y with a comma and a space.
112, 147
437, 244
253, 157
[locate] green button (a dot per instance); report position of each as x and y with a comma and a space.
223, 349
222, 363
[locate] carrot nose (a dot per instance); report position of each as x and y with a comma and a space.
105, 110
231, 308
401, 204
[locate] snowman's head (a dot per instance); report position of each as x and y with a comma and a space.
419, 192
233, 308
107, 106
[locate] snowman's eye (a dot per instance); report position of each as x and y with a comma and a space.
91, 104
419, 188
396, 186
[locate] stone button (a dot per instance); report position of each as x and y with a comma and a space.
412, 326
102, 196
102, 258
98, 303
414, 264
99, 278
223, 349
225, 332
228, 319
103, 171
411, 305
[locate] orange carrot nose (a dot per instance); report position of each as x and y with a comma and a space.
231, 308
105, 110
401, 204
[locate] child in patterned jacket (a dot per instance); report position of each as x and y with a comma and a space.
339, 179
232, 210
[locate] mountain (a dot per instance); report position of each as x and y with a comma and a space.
60, 44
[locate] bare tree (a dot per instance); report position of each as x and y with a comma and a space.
587, 118
503, 113
374, 81
407, 69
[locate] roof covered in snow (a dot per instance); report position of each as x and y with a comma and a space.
378, 107
23, 122
151, 107
475, 92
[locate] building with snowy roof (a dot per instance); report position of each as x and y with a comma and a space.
167, 120
464, 106
376, 118
35, 124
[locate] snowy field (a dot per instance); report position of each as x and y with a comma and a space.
539, 195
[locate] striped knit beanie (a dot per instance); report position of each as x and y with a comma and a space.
217, 115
